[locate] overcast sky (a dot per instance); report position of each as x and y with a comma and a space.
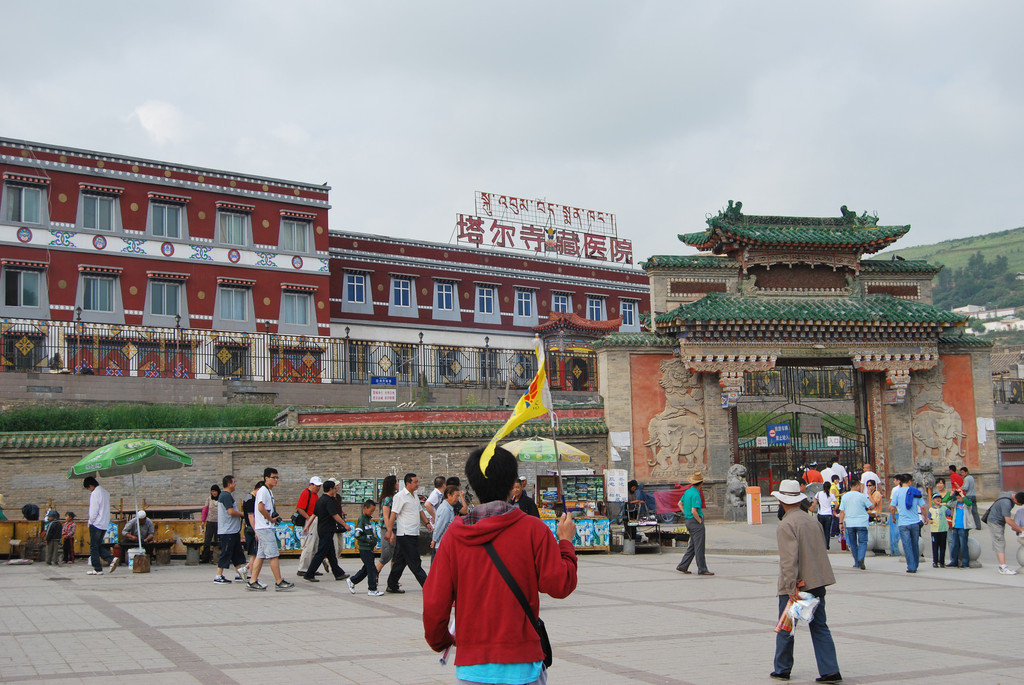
659, 112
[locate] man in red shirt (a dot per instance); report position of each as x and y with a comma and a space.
813, 475
305, 508
956, 481
494, 639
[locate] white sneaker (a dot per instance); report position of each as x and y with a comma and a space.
92, 572
375, 593
1007, 571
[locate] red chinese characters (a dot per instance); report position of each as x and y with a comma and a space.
501, 235
622, 250
471, 229
595, 247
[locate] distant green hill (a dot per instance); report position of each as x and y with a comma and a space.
953, 254
977, 270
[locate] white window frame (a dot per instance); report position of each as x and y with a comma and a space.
167, 292
236, 295
561, 302
89, 284
486, 294
627, 309
290, 230
15, 203
224, 230
162, 210
94, 215
19, 275
596, 308
355, 288
401, 292
524, 303
297, 302
444, 296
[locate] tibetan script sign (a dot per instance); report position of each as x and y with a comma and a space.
540, 226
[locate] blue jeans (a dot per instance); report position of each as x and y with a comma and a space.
97, 551
911, 545
959, 552
857, 539
821, 638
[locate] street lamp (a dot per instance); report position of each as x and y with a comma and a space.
487, 367
177, 349
78, 333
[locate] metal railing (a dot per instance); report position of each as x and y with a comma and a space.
146, 351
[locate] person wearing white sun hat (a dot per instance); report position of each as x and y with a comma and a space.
803, 566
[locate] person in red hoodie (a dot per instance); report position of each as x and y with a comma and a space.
495, 641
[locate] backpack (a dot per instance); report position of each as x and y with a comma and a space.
984, 517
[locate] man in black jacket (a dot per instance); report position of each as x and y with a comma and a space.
520, 499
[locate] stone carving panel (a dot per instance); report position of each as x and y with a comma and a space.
937, 428
677, 434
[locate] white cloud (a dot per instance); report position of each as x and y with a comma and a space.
163, 122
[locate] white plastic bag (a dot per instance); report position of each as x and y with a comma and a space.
803, 608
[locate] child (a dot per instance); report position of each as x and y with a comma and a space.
67, 535
938, 513
959, 552
366, 538
53, 528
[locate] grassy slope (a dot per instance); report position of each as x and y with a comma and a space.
954, 254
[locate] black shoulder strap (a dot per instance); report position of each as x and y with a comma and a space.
511, 582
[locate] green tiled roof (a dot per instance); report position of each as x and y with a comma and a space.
690, 261
885, 308
897, 266
635, 340
964, 341
89, 440
793, 231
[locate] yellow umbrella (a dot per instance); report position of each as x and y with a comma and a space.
543, 449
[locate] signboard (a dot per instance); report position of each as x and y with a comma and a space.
383, 389
616, 481
778, 434
541, 226
810, 425
833, 441
761, 441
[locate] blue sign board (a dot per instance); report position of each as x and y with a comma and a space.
778, 434
383, 380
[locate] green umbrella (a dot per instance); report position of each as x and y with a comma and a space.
543, 449
131, 456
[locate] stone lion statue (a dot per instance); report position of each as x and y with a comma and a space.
924, 477
736, 493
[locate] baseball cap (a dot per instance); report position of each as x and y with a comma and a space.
316, 480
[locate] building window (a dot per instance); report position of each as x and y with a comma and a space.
401, 292
595, 308
295, 308
295, 235
524, 303
166, 220
355, 288
21, 288
445, 296
560, 302
98, 294
233, 303
485, 299
164, 298
628, 310
98, 212
24, 204
233, 228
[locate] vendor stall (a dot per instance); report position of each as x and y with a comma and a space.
585, 499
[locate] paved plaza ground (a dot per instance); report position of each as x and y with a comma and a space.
633, 619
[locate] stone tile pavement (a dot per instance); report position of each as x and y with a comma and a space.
633, 619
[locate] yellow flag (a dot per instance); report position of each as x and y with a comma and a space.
536, 402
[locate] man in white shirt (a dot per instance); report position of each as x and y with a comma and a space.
435, 498
867, 475
408, 514
840, 470
99, 521
265, 518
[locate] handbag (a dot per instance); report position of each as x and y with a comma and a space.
535, 621
297, 519
984, 517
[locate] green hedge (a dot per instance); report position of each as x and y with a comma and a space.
136, 417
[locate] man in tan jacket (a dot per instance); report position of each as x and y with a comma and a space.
803, 566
